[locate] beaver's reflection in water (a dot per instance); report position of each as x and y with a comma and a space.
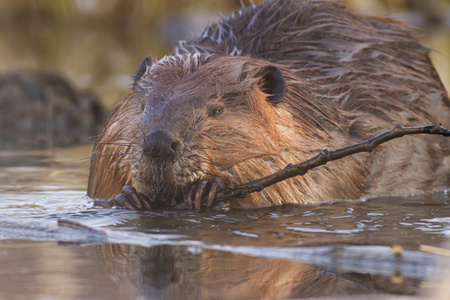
167, 272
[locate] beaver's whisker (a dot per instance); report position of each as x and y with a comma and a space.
143, 132
264, 157
213, 163
205, 160
112, 154
212, 148
117, 143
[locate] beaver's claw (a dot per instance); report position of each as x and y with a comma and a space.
203, 190
132, 200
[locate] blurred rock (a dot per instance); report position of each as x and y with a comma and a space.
41, 109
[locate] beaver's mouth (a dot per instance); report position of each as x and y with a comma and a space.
183, 177
189, 189
193, 196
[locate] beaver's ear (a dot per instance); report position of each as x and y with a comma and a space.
146, 62
271, 83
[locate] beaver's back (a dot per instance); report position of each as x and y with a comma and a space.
369, 64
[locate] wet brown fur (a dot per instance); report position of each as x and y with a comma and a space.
347, 77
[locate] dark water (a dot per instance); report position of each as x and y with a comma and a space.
54, 243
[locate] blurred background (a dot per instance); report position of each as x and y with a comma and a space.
98, 44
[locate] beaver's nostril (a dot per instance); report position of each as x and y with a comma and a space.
176, 145
161, 144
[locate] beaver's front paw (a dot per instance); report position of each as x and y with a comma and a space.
132, 200
205, 190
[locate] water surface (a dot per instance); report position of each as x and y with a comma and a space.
55, 243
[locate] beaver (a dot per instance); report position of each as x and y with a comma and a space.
271, 85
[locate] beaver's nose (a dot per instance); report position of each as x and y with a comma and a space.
161, 144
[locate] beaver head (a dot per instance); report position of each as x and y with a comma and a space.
198, 120
200, 116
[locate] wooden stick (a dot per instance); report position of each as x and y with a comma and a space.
291, 170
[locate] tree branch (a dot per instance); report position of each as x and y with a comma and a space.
291, 170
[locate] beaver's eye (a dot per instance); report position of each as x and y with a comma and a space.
216, 111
